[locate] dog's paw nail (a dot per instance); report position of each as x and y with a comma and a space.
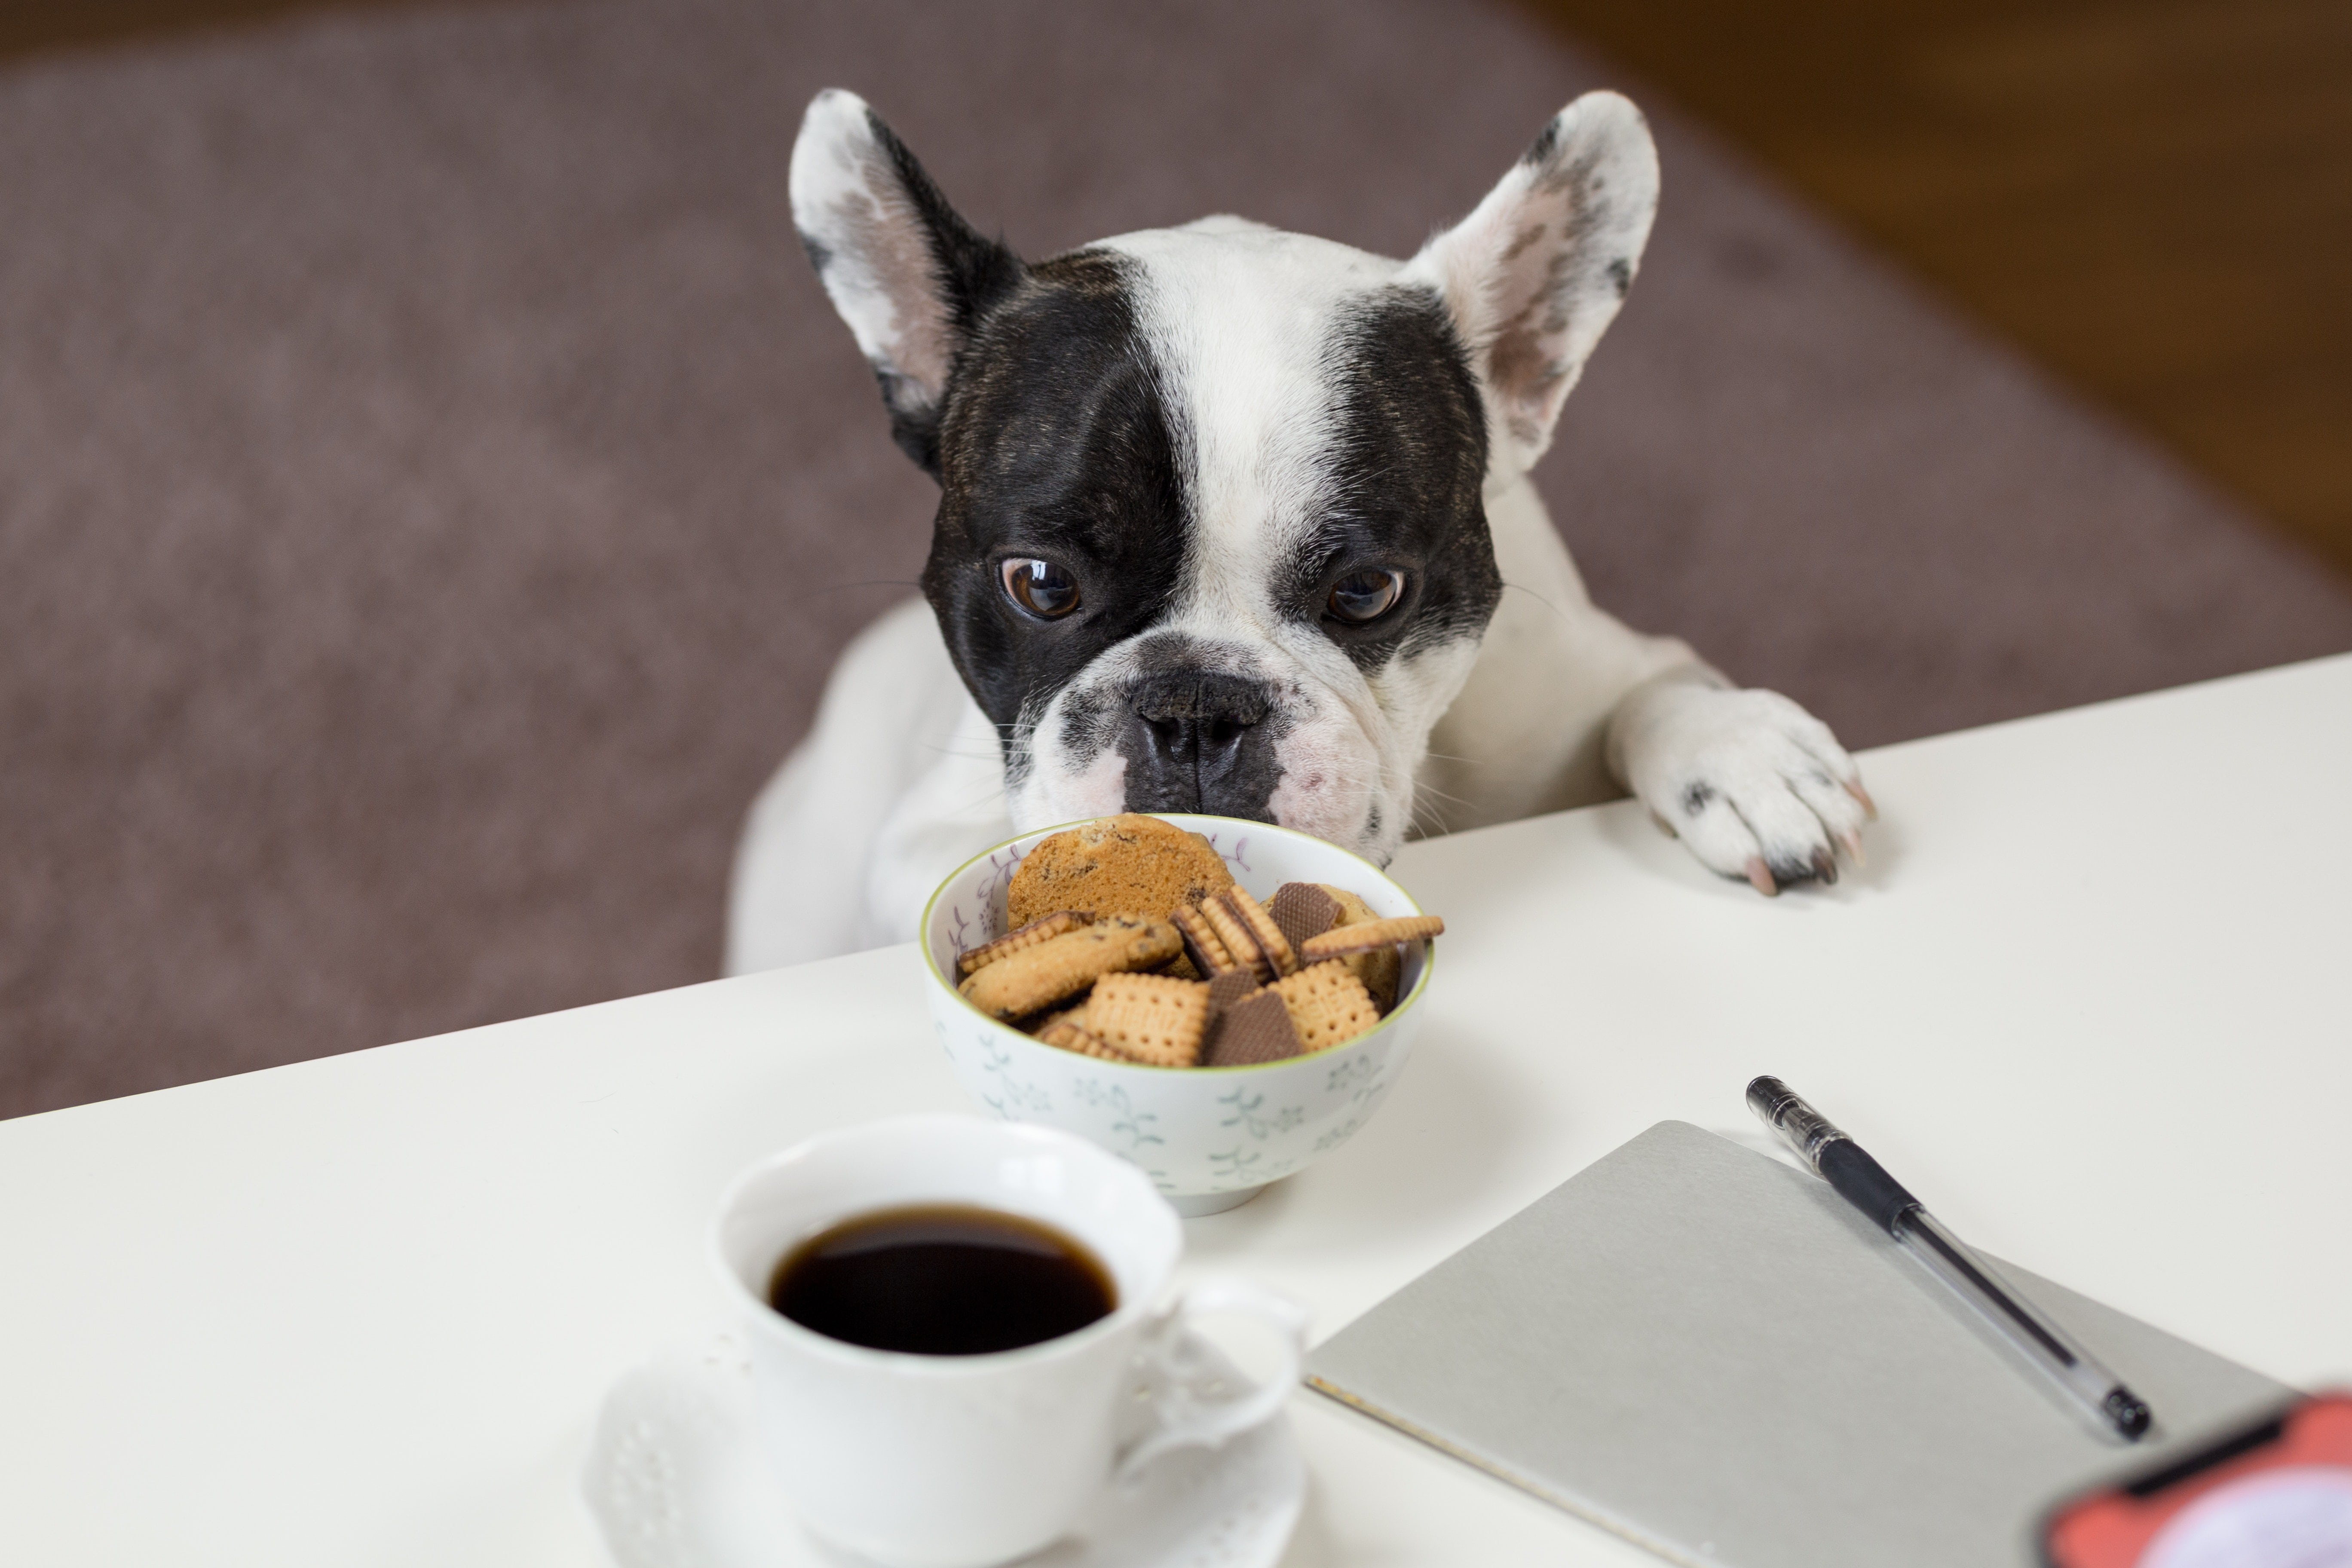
1850, 842
1869, 807
1663, 825
1760, 876
1825, 866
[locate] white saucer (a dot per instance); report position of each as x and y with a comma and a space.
674, 1479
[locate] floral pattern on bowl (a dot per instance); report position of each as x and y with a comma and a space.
1210, 1138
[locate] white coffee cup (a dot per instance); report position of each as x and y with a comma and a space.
932, 1461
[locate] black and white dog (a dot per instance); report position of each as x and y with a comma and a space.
1239, 522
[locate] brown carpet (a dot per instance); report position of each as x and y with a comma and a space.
431, 486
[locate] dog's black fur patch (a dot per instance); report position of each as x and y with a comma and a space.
1408, 469
1055, 441
1541, 147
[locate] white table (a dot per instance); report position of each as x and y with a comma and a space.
2090, 1000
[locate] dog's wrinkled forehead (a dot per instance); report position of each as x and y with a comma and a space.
1329, 409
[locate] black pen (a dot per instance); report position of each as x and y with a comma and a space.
1863, 1183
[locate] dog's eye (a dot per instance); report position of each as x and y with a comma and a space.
1362, 597
1041, 588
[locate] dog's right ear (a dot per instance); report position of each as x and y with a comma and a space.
1534, 275
905, 270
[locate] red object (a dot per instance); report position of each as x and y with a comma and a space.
2113, 1527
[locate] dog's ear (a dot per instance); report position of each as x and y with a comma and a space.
1534, 275
906, 273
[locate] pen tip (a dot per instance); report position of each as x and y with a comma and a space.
2126, 1410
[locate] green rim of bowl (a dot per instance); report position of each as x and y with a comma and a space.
922, 943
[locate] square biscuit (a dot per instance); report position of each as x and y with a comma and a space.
1256, 1029
1202, 943
1070, 1036
1380, 968
1302, 909
1149, 1017
1271, 943
1327, 1004
1239, 941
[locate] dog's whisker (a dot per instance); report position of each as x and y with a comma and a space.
1509, 587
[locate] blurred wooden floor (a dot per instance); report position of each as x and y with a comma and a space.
2152, 197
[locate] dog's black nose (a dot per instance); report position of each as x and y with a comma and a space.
1201, 742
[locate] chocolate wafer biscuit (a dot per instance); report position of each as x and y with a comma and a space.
1268, 936
1149, 1017
1061, 923
1238, 939
1202, 943
1225, 991
1229, 988
1302, 909
1256, 1029
1126, 865
1039, 976
1366, 935
1327, 1004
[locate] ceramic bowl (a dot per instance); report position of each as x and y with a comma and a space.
1210, 1138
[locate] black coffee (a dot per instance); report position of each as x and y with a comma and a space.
942, 1279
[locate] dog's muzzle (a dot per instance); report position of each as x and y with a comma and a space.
1202, 741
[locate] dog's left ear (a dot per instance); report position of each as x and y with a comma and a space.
1534, 275
904, 269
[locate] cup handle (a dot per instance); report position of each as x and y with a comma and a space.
1187, 1419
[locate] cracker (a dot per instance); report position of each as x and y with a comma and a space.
1039, 976
1079, 1039
1149, 1017
1379, 968
1202, 943
1365, 935
1352, 907
1061, 923
1126, 865
1271, 942
1238, 939
1256, 1029
1077, 1015
1302, 909
1327, 1004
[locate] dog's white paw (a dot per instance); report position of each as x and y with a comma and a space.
1755, 785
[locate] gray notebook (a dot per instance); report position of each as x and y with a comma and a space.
1709, 1352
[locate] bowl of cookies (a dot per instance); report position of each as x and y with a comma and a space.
1218, 1002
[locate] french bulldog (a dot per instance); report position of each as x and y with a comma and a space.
1239, 522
